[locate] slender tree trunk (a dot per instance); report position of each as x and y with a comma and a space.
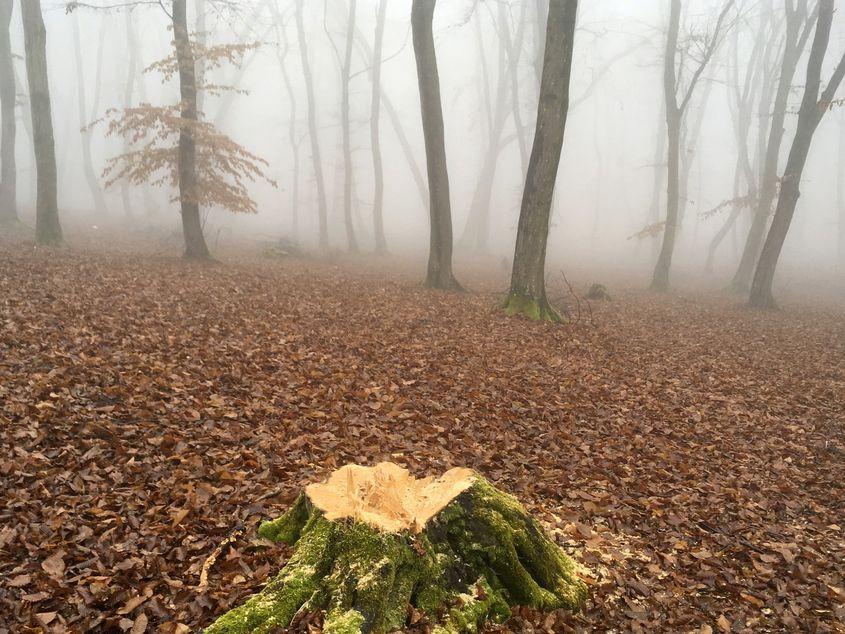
199, 64
87, 159
528, 282
477, 229
793, 48
8, 170
375, 134
349, 172
48, 230
674, 119
659, 180
195, 246
322, 206
809, 117
514, 48
128, 92
293, 139
440, 241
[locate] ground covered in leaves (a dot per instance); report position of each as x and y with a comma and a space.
689, 451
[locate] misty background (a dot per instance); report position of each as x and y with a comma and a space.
606, 184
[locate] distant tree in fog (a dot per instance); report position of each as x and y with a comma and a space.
8, 170
678, 97
48, 230
814, 104
375, 131
798, 30
528, 285
440, 210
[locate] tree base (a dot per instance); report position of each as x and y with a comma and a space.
468, 562
532, 308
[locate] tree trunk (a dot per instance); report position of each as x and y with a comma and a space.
314, 133
348, 170
373, 541
87, 159
8, 170
809, 117
793, 48
440, 241
128, 92
195, 246
375, 134
528, 281
48, 230
840, 196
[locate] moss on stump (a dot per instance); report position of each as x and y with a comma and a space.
371, 542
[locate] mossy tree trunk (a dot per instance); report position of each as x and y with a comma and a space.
440, 208
528, 281
470, 562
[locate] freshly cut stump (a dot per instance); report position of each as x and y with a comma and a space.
372, 541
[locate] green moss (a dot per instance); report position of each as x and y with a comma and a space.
349, 622
288, 527
532, 308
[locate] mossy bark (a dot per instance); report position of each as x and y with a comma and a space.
477, 557
532, 308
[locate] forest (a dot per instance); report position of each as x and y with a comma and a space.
371, 316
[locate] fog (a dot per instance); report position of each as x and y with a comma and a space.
606, 181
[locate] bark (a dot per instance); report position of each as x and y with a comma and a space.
375, 132
440, 241
659, 177
796, 39
87, 159
468, 564
809, 116
314, 133
528, 284
48, 229
8, 170
348, 169
195, 246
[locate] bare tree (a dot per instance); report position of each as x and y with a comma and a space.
314, 133
814, 104
440, 211
48, 230
375, 132
677, 100
798, 29
8, 170
195, 246
528, 282
348, 168
840, 195
84, 121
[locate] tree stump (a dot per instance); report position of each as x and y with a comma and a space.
372, 541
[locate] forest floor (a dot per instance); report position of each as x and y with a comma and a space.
689, 451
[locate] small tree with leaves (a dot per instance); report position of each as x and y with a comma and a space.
174, 146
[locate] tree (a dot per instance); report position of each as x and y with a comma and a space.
440, 241
814, 104
375, 133
8, 170
195, 246
840, 195
798, 29
87, 160
528, 282
322, 206
373, 541
48, 230
345, 127
677, 100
